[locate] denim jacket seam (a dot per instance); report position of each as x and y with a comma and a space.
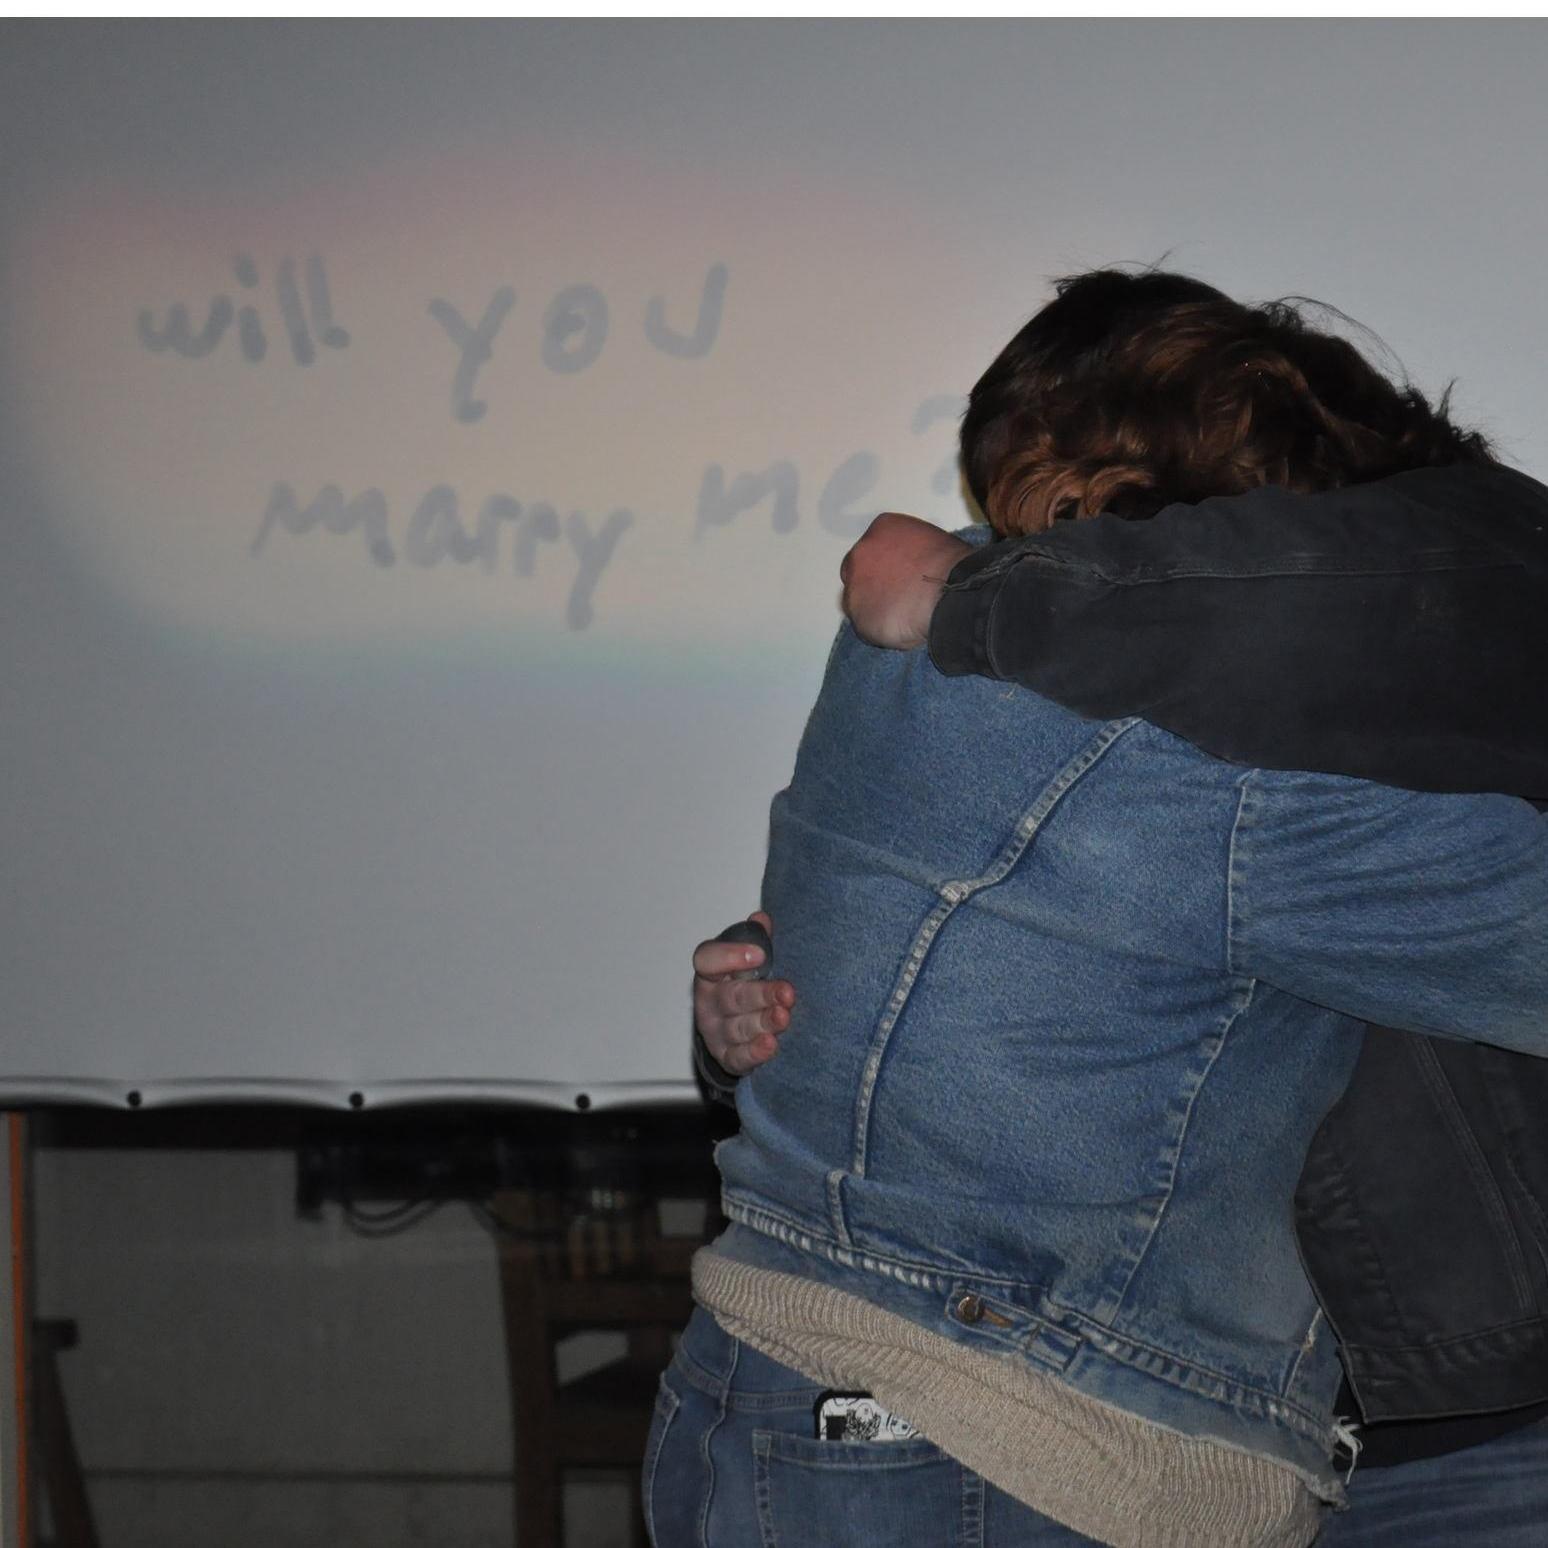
1133, 1354
1525, 1193
1180, 1145
1430, 1346
1227, 1389
983, 635
950, 896
1236, 862
1308, 1343
1486, 1186
881, 1035
899, 866
760, 1216
999, 565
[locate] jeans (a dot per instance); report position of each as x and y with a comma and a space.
1489, 1496
733, 1462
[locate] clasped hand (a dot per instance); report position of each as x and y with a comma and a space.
893, 578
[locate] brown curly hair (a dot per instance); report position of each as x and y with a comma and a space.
1131, 391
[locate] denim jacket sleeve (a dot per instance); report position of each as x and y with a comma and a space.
1390, 631
1425, 912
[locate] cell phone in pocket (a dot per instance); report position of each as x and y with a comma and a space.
857, 1416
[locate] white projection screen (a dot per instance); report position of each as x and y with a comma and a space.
426, 452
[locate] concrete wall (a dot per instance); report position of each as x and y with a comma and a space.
247, 1378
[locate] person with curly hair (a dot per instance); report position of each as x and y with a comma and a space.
1075, 997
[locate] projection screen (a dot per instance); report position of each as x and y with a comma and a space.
426, 451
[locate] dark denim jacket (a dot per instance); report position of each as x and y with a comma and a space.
1392, 631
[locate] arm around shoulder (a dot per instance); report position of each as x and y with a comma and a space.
1387, 631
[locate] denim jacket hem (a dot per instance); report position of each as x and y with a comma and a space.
1156, 1384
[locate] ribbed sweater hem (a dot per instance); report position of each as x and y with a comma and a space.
1086, 1464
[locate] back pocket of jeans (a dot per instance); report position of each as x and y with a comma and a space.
837, 1494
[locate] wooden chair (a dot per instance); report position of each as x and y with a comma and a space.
566, 1269
59, 1462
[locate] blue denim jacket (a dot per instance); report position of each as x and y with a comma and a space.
1074, 998
1421, 1206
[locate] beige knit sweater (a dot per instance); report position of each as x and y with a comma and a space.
1117, 1478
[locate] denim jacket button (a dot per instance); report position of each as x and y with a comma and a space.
969, 1309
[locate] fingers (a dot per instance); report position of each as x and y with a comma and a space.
748, 1056
715, 958
742, 1058
743, 1000
740, 1019
736, 1010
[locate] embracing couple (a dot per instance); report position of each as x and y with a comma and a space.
1084, 1190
